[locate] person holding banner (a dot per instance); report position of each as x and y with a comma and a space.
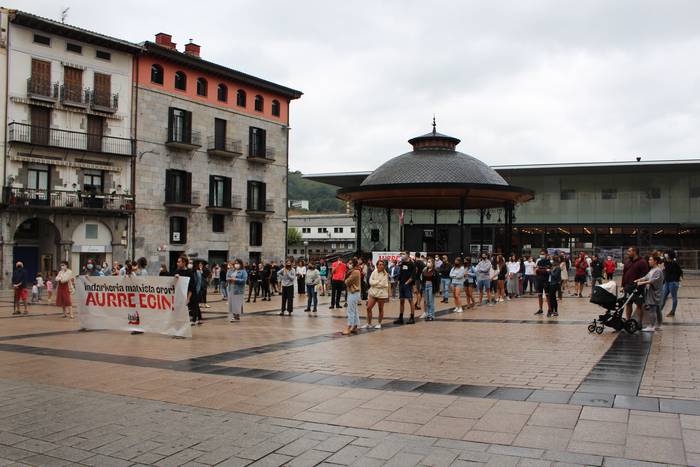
64, 281
192, 296
236, 278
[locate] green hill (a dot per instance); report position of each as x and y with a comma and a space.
321, 197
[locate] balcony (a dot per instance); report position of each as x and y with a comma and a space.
228, 148
225, 205
259, 158
174, 200
104, 102
269, 208
178, 139
42, 89
74, 97
30, 198
51, 137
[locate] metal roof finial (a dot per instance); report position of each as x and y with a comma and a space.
434, 130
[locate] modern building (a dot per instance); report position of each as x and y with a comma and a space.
322, 235
68, 146
597, 207
212, 158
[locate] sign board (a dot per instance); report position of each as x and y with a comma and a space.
146, 304
475, 249
558, 251
392, 256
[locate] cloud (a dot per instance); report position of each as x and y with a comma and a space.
518, 82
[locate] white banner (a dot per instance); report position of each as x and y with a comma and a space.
145, 304
392, 256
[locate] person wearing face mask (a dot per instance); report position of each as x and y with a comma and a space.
19, 284
64, 283
192, 297
287, 277
581, 266
352, 285
312, 281
483, 278
543, 268
610, 266
407, 276
673, 274
338, 270
236, 278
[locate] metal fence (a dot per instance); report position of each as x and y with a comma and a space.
66, 139
33, 198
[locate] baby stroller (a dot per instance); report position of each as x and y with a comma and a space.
606, 296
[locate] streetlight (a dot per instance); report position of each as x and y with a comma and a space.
306, 250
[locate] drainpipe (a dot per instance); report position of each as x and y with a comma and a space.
286, 198
5, 150
134, 123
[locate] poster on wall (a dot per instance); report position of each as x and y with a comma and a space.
475, 249
393, 256
558, 251
142, 304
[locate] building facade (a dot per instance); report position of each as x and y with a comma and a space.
69, 144
212, 159
322, 235
601, 207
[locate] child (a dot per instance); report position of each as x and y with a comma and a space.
39, 285
49, 286
35, 292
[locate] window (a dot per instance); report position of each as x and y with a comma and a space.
180, 81
222, 92
102, 86
240, 98
333, 246
178, 230
179, 126
322, 230
39, 39
259, 103
256, 143
220, 134
256, 196
218, 222
91, 231
374, 235
610, 193
219, 191
201, 87
70, 47
306, 230
352, 229
93, 180
276, 108
95, 130
567, 195
72, 84
695, 192
178, 185
256, 233
654, 193
101, 54
38, 177
337, 230
41, 78
294, 251
156, 74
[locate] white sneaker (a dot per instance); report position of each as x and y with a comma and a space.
232, 320
364, 326
648, 329
378, 326
422, 316
459, 309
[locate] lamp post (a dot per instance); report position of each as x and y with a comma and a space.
306, 250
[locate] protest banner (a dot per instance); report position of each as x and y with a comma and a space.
143, 304
392, 256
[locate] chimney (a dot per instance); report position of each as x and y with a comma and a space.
165, 40
192, 49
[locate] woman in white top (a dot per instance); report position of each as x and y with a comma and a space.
564, 277
513, 266
378, 293
457, 275
301, 277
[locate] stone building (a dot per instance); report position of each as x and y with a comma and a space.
68, 147
211, 165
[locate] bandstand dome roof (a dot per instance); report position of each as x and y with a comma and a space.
435, 176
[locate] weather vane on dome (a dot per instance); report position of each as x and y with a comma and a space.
434, 130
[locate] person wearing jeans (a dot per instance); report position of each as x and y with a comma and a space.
287, 277
312, 280
338, 270
445, 279
352, 284
672, 281
429, 279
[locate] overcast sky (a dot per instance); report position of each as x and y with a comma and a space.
519, 82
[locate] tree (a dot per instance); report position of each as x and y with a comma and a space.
293, 236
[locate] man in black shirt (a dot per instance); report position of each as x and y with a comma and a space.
420, 265
672, 281
543, 266
407, 276
192, 296
19, 284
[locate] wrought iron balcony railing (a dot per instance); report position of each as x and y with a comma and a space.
43, 89
224, 146
104, 101
66, 139
179, 139
60, 199
78, 97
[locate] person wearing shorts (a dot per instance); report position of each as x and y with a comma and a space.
483, 278
19, 284
543, 267
407, 276
458, 275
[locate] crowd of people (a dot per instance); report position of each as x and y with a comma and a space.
418, 282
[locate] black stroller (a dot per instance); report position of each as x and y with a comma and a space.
614, 308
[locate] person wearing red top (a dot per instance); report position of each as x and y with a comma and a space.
338, 270
610, 266
635, 268
580, 278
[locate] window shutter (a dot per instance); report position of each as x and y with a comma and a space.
262, 140
251, 141
263, 198
250, 197
188, 127
211, 190
187, 189
227, 192
183, 234
172, 229
171, 119
169, 187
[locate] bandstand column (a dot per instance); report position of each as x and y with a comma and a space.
481, 231
461, 227
358, 228
388, 229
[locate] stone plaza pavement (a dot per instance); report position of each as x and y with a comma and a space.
491, 386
